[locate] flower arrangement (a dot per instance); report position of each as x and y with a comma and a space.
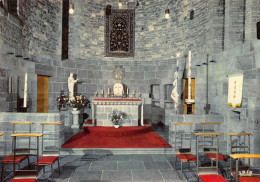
62, 101
118, 117
78, 102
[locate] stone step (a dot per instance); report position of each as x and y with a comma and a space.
83, 151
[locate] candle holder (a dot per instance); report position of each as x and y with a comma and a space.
140, 95
133, 96
108, 95
127, 95
102, 95
96, 95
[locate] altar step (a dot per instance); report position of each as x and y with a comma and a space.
83, 151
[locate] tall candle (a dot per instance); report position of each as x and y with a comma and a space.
102, 92
133, 91
127, 91
25, 91
189, 79
108, 91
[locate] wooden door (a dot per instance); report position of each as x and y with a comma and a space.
42, 94
186, 93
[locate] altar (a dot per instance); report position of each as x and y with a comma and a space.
103, 108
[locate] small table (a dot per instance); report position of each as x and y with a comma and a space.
103, 108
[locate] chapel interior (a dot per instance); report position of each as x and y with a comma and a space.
175, 75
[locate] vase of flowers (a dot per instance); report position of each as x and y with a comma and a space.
118, 118
62, 101
78, 102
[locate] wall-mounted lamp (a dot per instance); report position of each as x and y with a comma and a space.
71, 9
197, 64
205, 63
167, 13
212, 61
119, 4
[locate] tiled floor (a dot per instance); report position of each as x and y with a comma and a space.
109, 167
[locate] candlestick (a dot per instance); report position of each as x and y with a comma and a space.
108, 91
127, 91
189, 78
25, 91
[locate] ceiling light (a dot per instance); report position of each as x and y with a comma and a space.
119, 4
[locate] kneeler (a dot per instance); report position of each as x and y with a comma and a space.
212, 156
26, 175
182, 133
245, 177
239, 144
209, 173
49, 157
10, 158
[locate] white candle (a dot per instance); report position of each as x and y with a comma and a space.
102, 92
127, 91
25, 91
133, 91
108, 91
189, 79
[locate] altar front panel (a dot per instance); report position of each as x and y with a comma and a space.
103, 109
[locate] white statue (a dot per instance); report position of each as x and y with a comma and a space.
71, 82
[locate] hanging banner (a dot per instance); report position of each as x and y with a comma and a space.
235, 88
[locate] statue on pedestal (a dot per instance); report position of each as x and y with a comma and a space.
71, 83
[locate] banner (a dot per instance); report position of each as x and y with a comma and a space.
174, 94
235, 88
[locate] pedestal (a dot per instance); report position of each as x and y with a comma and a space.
75, 119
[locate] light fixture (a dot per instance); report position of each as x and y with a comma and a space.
119, 4
71, 9
212, 61
197, 64
205, 63
167, 13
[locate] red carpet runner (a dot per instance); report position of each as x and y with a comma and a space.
110, 137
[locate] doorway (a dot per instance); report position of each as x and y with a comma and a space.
186, 94
42, 94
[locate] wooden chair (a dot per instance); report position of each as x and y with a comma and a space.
239, 144
28, 175
212, 156
10, 158
245, 177
180, 136
50, 156
209, 173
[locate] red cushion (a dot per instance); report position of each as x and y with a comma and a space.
249, 179
47, 160
213, 156
212, 177
10, 159
24, 180
186, 157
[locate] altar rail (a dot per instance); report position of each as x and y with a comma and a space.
6, 128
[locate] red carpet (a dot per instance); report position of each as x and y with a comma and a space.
110, 137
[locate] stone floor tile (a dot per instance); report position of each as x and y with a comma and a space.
117, 158
147, 175
159, 157
141, 157
116, 176
132, 165
75, 165
83, 176
65, 175
106, 165
157, 165
93, 157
